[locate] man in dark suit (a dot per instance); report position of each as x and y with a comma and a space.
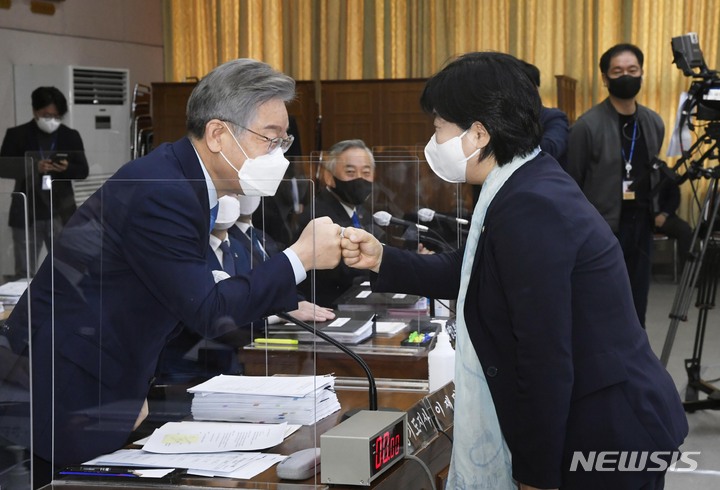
552, 363
131, 265
52, 151
347, 172
554, 123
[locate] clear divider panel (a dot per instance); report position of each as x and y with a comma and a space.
15, 400
144, 317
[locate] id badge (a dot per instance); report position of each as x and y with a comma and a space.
628, 195
46, 182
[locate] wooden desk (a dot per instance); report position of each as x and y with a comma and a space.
384, 355
404, 475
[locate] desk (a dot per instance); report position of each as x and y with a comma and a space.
404, 475
384, 355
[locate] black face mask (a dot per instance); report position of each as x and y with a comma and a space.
354, 191
624, 87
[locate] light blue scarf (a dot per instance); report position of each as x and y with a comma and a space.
480, 456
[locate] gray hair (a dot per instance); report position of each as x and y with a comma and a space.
233, 92
342, 146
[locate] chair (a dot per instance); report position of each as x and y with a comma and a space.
661, 238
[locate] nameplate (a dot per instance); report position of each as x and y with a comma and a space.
421, 426
442, 404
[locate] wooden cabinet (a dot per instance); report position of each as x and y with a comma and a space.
380, 112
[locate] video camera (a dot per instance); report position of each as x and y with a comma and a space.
704, 93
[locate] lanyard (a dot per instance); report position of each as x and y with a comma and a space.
628, 160
51, 149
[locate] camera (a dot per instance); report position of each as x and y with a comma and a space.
704, 92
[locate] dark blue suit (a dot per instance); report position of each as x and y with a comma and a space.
130, 265
556, 131
551, 317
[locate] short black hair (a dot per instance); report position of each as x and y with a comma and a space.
616, 50
532, 71
493, 89
44, 96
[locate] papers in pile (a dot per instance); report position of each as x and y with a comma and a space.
205, 448
265, 399
10, 292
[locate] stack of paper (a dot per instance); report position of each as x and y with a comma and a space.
361, 298
348, 327
10, 292
265, 399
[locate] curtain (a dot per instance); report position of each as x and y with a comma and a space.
369, 39
375, 39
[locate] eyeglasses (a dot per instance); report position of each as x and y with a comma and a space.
50, 116
283, 143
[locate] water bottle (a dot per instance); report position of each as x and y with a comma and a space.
441, 361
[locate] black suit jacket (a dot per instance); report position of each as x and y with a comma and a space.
23, 139
329, 284
551, 318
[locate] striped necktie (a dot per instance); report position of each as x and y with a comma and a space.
356, 220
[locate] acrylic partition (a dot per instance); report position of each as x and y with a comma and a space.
134, 304
21, 231
136, 307
444, 208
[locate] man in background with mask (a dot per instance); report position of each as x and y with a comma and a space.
55, 152
610, 151
347, 173
132, 264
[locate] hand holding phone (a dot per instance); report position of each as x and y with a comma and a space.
60, 162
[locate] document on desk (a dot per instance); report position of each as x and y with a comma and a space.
287, 386
214, 437
265, 399
213, 463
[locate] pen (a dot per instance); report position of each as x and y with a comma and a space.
277, 341
99, 471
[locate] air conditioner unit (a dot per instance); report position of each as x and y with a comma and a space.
98, 107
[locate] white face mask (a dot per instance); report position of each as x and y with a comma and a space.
248, 204
48, 124
260, 176
448, 159
228, 212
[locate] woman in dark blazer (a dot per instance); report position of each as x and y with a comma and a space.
552, 365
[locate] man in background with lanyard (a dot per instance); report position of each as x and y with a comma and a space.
52, 151
610, 151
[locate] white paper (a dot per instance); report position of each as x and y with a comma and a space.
290, 386
339, 322
246, 472
219, 462
153, 473
214, 437
389, 327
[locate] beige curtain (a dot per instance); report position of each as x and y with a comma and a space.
370, 39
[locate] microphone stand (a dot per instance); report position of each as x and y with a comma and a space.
372, 389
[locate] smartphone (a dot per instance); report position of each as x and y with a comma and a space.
59, 156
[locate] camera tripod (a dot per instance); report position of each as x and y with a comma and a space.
701, 270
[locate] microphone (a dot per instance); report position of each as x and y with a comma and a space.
427, 214
383, 218
372, 389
